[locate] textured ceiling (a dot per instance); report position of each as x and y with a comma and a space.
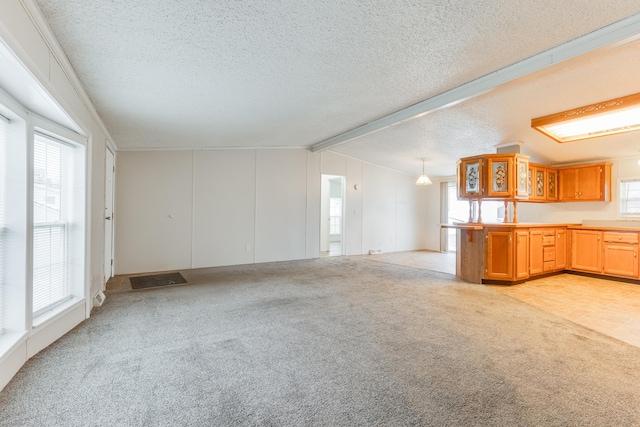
264, 73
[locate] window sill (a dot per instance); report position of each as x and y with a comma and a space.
50, 316
9, 340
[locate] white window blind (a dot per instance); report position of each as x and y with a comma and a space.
3, 212
51, 284
630, 198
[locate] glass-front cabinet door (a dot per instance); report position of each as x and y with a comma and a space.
500, 170
470, 173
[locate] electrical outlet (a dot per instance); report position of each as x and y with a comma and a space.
247, 248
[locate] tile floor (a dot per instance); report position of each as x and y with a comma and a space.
608, 306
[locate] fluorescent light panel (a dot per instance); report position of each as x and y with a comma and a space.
605, 118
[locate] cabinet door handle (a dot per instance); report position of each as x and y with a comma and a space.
518, 239
509, 238
635, 254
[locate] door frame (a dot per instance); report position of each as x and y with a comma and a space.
108, 217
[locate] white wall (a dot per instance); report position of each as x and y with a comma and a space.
244, 206
154, 196
387, 211
281, 205
224, 207
229, 207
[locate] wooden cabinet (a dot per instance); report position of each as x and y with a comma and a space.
494, 177
614, 253
499, 255
539, 186
500, 177
620, 254
543, 183
585, 183
547, 250
521, 177
552, 185
522, 255
586, 250
561, 249
470, 178
536, 247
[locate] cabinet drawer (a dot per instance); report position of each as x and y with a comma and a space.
549, 240
549, 254
549, 266
621, 237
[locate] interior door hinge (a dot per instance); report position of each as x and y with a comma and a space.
111, 262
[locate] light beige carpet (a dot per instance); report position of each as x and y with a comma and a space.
333, 341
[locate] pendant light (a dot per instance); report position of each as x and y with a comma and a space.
423, 179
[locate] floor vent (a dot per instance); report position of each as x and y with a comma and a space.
375, 251
155, 280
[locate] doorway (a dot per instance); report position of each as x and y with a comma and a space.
109, 174
332, 215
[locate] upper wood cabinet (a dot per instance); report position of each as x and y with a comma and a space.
552, 184
543, 185
512, 177
585, 183
493, 176
470, 178
538, 176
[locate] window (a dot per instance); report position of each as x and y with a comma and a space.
630, 198
3, 212
335, 216
51, 207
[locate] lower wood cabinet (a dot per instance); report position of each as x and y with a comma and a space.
499, 255
561, 249
620, 254
513, 254
522, 255
547, 250
536, 252
605, 252
586, 253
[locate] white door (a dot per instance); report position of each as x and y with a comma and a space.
108, 215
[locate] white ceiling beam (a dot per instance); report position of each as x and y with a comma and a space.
614, 35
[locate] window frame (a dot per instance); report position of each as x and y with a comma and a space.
623, 200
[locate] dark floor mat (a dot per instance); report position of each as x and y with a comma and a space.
154, 280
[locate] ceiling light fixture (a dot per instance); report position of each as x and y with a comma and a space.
423, 179
591, 121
